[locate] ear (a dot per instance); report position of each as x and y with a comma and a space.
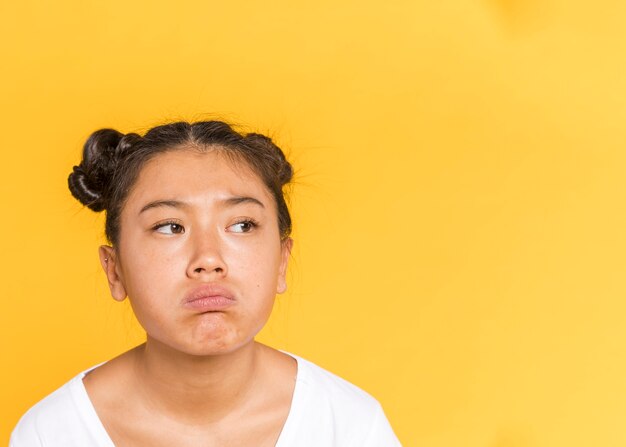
286, 247
110, 265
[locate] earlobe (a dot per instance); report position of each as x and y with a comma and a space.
110, 265
286, 247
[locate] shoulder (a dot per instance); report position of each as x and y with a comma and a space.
328, 407
55, 419
333, 389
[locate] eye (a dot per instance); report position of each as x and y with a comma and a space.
244, 226
169, 228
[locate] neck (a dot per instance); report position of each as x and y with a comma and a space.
196, 388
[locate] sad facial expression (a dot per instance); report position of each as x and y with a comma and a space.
200, 254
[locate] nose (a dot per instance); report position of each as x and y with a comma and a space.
206, 261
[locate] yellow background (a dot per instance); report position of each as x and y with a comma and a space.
459, 199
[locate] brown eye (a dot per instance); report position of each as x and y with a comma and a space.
169, 228
243, 227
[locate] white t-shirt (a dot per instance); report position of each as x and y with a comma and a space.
326, 411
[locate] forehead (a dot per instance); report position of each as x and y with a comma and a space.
192, 175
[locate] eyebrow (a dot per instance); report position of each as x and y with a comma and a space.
230, 201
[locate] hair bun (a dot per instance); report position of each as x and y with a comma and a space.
89, 182
284, 171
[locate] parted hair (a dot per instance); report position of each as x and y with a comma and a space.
112, 162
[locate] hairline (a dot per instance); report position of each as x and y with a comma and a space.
230, 153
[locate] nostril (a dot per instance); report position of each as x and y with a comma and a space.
202, 269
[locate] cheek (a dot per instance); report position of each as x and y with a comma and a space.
258, 265
148, 271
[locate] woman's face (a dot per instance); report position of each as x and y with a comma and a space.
199, 254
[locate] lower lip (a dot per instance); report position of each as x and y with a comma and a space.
210, 303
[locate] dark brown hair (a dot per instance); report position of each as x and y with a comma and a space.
112, 161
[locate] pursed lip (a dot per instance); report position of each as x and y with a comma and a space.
208, 298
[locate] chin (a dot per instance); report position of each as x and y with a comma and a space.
210, 338
213, 346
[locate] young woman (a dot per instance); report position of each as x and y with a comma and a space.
199, 233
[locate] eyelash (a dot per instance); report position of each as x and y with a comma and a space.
166, 223
251, 222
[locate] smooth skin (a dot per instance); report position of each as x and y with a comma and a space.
195, 219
